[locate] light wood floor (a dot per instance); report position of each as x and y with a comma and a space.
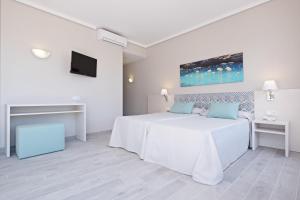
92, 170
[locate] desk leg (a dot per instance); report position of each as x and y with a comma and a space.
81, 125
253, 137
287, 141
7, 131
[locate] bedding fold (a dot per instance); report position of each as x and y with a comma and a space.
129, 132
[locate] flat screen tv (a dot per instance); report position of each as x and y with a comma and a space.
83, 65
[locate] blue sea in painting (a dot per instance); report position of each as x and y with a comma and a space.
224, 69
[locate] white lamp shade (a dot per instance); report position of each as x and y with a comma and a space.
164, 92
40, 53
270, 85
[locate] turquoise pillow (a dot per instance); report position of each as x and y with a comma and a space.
183, 108
224, 110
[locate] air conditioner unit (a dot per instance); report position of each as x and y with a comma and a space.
111, 37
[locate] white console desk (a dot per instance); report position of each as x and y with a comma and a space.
34, 110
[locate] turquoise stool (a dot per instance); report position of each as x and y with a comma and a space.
37, 139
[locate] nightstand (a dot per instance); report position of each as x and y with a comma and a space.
271, 127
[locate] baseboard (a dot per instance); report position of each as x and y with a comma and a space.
100, 132
70, 138
2, 150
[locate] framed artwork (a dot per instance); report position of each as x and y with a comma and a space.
218, 70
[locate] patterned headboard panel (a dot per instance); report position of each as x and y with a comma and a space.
246, 99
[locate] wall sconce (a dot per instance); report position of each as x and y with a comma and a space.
40, 53
164, 92
270, 86
130, 79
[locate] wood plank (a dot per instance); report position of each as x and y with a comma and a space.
287, 185
265, 183
241, 186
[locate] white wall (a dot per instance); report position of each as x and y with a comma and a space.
158, 103
0, 70
134, 53
26, 79
268, 35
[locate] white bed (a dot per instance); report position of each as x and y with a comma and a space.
129, 132
198, 146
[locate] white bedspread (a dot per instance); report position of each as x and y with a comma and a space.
199, 146
129, 132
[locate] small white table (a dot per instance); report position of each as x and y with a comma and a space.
271, 127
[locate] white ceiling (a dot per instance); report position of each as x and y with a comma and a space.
144, 22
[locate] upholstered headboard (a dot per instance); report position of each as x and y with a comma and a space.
246, 99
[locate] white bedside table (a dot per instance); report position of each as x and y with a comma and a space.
271, 127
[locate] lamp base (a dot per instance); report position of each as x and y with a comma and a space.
166, 98
270, 96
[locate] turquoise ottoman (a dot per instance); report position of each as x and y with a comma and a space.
37, 139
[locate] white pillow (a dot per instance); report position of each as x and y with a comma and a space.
200, 111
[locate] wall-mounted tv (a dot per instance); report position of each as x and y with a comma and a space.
83, 65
